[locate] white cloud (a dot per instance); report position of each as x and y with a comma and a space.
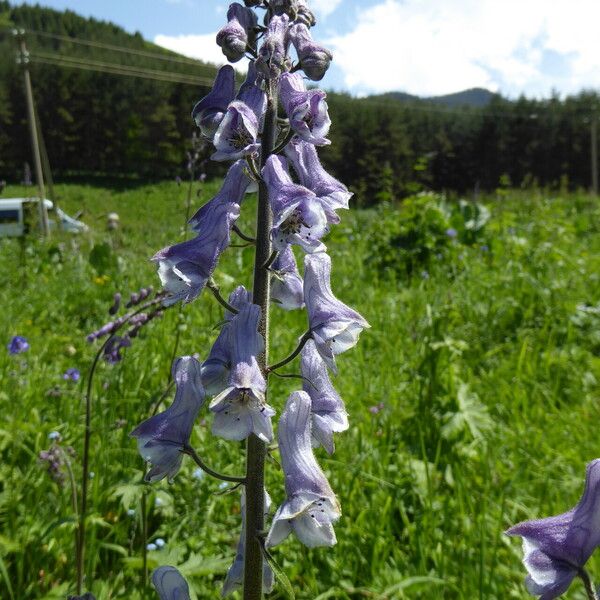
323, 8
202, 47
437, 47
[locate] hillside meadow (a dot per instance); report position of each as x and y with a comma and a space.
473, 399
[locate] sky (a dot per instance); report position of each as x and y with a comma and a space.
423, 47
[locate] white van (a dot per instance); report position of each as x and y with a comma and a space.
17, 213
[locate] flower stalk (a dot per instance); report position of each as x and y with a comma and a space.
256, 449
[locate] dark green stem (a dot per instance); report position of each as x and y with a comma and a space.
232, 478
256, 449
587, 583
214, 288
292, 356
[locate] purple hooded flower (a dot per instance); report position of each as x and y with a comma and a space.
332, 194
314, 58
216, 368
170, 584
17, 345
556, 547
235, 575
298, 217
286, 284
311, 506
239, 32
271, 56
307, 110
112, 350
235, 186
335, 327
72, 374
236, 136
328, 412
161, 438
240, 408
185, 268
209, 112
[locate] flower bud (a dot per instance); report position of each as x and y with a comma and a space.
271, 57
305, 15
314, 58
235, 37
116, 304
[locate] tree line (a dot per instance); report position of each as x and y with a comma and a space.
99, 123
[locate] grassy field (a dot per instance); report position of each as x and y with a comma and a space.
473, 403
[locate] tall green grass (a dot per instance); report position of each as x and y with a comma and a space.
487, 367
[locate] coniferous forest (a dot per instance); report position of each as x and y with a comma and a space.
102, 123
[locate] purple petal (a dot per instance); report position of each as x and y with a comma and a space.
287, 286
161, 438
17, 345
332, 194
208, 112
185, 268
272, 53
313, 57
311, 506
307, 110
169, 584
335, 326
236, 136
555, 547
298, 217
327, 408
238, 33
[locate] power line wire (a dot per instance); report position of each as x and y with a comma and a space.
117, 69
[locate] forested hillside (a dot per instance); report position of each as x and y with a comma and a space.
102, 122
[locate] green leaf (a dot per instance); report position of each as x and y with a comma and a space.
281, 577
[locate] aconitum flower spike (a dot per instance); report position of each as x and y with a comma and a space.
314, 58
328, 412
170, 584
286, 283
209, 112
239, 33
335, 327
555, 548
332, 194
185, 268
311, 507
271, 56
240, 408
235, 576
298, 217
216, 368
307, 110
233, 190
162, 438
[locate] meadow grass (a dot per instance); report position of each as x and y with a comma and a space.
487, 367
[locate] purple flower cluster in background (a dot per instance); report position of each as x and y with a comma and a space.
17, 345
304, 201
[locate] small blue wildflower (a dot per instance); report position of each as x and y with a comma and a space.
223, 485
485, 248
160, 543
424, 275
54, 435
198, 473
151, 547
131, 512
72, 374
451, 232
158, 502
17, 345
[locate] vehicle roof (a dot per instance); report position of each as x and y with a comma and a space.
16, 202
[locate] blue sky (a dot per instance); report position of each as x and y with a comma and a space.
424, 47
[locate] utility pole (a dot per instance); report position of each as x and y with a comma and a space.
23, 60
594, 151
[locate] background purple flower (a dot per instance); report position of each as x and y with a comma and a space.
17, 345
72, 374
